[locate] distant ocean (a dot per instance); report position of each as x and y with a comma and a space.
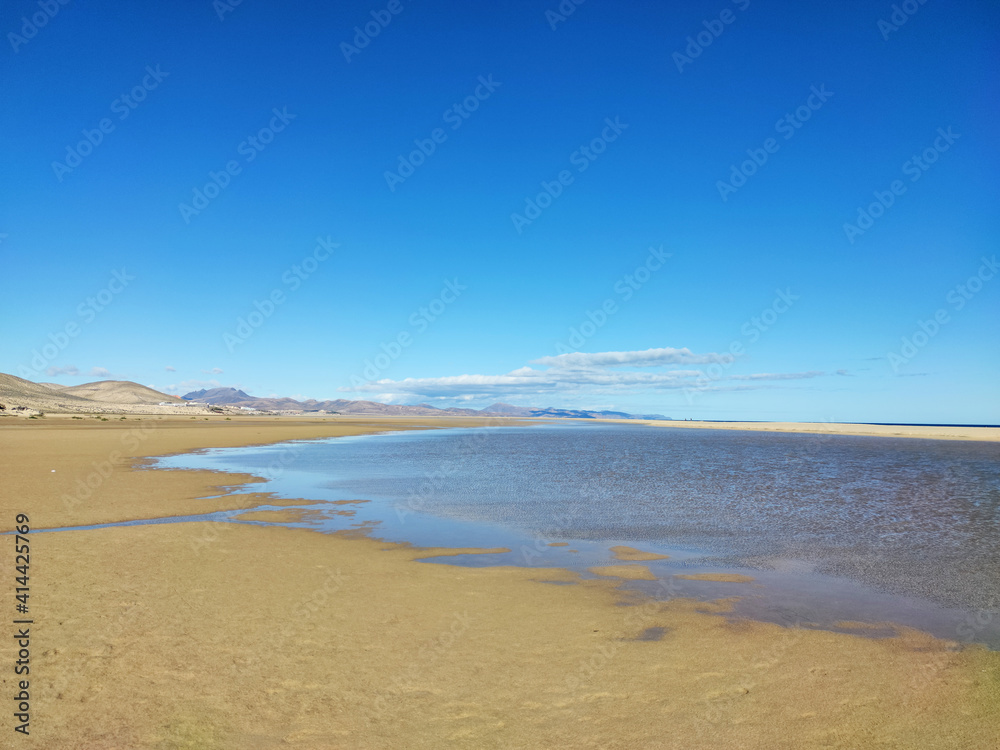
840, 527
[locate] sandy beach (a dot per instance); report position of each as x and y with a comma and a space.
202, 635
930, 432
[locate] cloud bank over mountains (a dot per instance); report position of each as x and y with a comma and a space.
595, 373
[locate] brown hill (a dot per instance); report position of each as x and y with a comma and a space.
17, 392
120, 392
20, 397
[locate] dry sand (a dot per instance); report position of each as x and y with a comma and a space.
239, 637
991, 434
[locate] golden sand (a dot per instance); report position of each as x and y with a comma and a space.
991, 434
633, 554
456, 551
629, 572
235, 636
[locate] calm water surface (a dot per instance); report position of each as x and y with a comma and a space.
833, 527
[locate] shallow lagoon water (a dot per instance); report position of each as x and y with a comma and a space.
832, 527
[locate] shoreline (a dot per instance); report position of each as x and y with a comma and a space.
924, 432
264, 635
105, 484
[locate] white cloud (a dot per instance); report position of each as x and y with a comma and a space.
68, 370
99, 372
168, 368
778, 375
647, 358
527, 381
213, 371
583, 374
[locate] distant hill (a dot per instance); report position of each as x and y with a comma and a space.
17, 392
24, 397
533, 411
20, 396
235, 397
508, 409
218, 396
119, 392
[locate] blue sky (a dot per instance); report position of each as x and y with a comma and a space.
436, 209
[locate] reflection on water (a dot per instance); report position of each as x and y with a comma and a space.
915, 522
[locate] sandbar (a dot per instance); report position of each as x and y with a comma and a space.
633, 554
927, 432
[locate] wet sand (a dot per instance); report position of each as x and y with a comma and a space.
633, 554
207, 635
627, 572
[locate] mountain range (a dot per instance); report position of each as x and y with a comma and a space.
237, 398
20, 397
